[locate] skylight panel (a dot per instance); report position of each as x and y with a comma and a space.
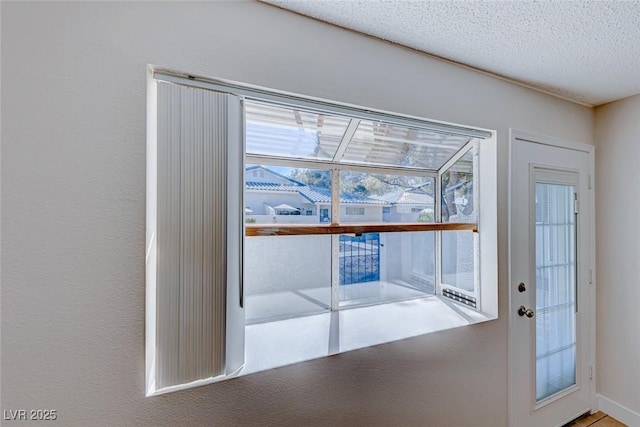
392, 145
289, 132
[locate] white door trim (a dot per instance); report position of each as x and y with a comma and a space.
517, 134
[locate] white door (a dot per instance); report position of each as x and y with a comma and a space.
551, 303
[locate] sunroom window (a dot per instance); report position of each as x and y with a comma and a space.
283, 228
374, 173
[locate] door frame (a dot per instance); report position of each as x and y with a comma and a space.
517, 134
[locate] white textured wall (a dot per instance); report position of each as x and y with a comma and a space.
617, 133
301, 262
73, 212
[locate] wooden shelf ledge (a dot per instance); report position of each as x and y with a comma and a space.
306, 229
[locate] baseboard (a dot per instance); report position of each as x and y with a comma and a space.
617, 411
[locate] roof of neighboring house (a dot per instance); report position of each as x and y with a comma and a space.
311, 193
272, 186
285, 207
414, 198
272, 172
323, 195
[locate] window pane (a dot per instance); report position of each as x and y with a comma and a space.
384, 267
555, 289
285, 195
458, 249
392, 145
286, 276
371, 197
289, 132
457, 191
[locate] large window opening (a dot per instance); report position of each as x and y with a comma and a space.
283, 228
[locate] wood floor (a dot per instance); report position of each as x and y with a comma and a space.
599, 419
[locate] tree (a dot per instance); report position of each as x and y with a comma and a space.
363, 184
426, 216
312, 177
361, 190
456, 184
381, 184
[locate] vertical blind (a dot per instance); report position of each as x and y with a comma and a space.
193, 256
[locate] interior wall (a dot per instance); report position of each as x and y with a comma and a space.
73, 212
617, 135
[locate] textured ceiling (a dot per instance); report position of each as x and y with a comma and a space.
586, 51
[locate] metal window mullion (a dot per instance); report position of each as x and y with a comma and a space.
476, 213
335, 196
241, 179
577, 249
461, 152
438, 239
438, 288
346, 139
335, 272
326, 164
476, 183
335, 239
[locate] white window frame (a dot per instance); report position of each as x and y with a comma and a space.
264, 343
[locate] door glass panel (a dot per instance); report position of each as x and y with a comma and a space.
555, 289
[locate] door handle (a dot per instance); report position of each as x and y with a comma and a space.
524, 311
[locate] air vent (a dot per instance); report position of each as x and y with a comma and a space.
460, 297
